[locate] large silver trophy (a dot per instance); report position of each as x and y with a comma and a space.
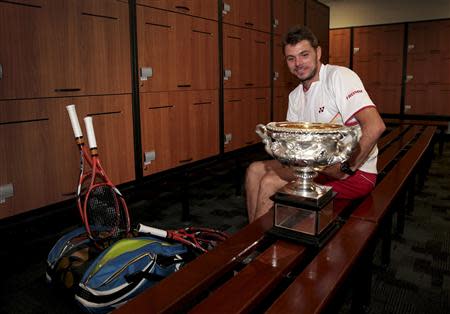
303, 208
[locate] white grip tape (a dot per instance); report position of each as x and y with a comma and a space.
90, 132
74, 121
153, 231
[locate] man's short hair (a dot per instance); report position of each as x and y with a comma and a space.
298, 33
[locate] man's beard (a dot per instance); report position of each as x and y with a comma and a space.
310, 76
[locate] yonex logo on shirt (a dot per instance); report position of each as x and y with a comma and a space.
353, 93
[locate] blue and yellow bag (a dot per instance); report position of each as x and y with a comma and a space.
102, 281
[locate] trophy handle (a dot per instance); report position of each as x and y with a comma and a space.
350, 137
261, 130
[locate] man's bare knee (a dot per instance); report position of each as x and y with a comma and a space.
271, 183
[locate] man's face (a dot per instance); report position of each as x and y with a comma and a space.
302, 60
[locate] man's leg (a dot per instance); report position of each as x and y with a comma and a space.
255, 172
262, 181
270, 184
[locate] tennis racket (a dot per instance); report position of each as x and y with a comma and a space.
105, 211
201, 239
84, 177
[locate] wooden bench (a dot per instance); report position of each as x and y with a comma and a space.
313, 289
219, 281
442, 125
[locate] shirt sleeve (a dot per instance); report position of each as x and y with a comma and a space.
351, 96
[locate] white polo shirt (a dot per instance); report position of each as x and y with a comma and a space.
335, 98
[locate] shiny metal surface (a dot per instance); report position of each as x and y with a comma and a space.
306, 148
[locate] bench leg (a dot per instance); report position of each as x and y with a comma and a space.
424, 166
441, 141
362, 289
238, 177
184, 196
386, 230
401, 205
411, 186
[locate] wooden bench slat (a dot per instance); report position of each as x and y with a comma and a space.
373, 207
437, 123
317, 284
391, 136
252, 284
394, 149
174, 292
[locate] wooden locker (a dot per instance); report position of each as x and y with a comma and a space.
200, 8
157, 132
180, 50
104, 47
340, 47
40, 56
235, 101
178, 128
39, 156
236, 56
254, 14
113, 123
204, 69
280, 103
203, 117
318, 20
416, 99
29, 155
260, 59
261, 113
287, 13
156, 35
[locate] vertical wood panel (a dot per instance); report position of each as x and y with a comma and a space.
340, 47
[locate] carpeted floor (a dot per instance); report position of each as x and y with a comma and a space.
416, 281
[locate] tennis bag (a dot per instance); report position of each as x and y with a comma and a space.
125, 269
69, 258
103, 280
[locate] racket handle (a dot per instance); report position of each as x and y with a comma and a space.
153, 231
74, 121
90, 133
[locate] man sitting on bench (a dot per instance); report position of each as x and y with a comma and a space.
327, 94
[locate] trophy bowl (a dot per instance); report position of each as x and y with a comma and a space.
307, 148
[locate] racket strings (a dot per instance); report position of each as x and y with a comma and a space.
105, 212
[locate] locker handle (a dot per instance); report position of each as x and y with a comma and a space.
103, 113
65, 90
249, 24
186, 160
162, 107
248, 84
180, 7
69, 193
184, 85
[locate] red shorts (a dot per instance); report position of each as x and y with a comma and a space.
356, 186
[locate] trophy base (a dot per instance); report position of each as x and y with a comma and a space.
307, 239
313, 201
305, 220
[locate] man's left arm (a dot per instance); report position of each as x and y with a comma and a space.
372, 126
